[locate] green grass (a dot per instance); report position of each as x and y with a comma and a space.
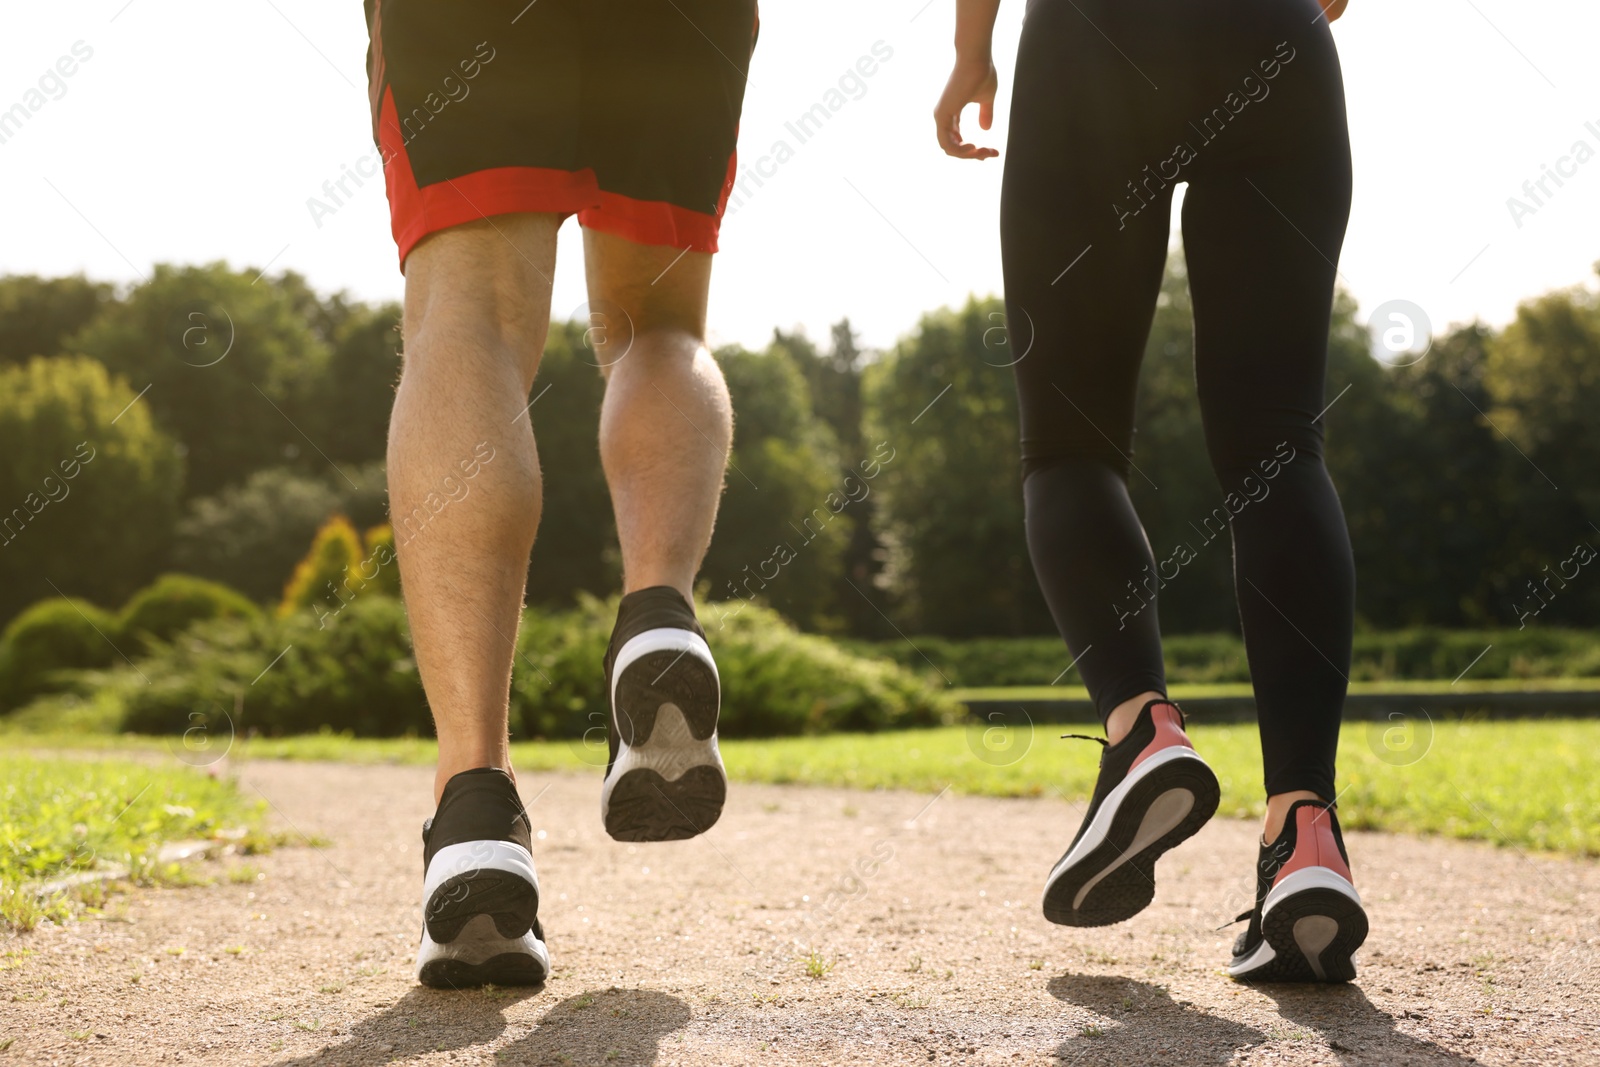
63, 816
1191, 691
1531, 784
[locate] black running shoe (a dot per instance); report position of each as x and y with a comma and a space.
665, 780
480, 895
1308, 920
1154, 791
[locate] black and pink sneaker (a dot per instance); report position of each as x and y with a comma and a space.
1308, 920
1154, 791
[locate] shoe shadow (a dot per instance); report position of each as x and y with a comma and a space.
423, 1021
1357, 1030
616, 1027
1146, 1025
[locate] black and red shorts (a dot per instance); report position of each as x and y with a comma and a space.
623, 112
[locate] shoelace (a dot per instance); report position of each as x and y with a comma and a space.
1102, 742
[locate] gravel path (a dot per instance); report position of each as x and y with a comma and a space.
691, 953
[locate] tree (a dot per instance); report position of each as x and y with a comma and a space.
576, 550
951, 496
1544, 375
230, 365
786, 513
88, 485
38, 314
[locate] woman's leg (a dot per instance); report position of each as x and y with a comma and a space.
1263, 222
1082, 279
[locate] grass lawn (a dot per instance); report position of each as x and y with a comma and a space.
1192, 690
59, 817
1532, 784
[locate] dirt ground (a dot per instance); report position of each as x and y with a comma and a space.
923, 913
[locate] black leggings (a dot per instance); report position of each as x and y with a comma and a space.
1115, 102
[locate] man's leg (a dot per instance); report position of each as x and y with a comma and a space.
667, 424
464, 484
665, 429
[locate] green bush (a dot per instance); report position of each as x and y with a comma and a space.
775, 680
52, 636
357, 673
174, 602
284, 676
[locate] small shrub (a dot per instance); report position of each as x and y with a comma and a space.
174, 602
53, 636
287, 675
380, 568
325, 570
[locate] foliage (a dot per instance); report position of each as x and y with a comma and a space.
37, 315
282, 675
323, 579
1427, 653
576, 551
951, 502
786, 512
172, 603
88, 484
209, 341
52, 636
774, 679
1544, 376
354, 671
380, 569
250, 536
63, 816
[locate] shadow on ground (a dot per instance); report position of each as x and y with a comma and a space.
1141, 1023
1357, 1030
424, 1020
614, 1027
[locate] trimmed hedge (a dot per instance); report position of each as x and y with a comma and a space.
1422, 653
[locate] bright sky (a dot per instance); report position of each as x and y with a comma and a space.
197, 131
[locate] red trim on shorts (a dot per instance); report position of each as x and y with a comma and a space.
416, 212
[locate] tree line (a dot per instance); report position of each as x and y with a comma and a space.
212, 420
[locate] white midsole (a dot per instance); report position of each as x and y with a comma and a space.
1095, 835
1168, 810
478, 943
1308, 878
1262, 956
476, 856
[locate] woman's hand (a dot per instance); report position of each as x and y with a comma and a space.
1333, 8
973, 81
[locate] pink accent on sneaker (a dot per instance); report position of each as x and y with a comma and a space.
1314, 845
1168, 721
